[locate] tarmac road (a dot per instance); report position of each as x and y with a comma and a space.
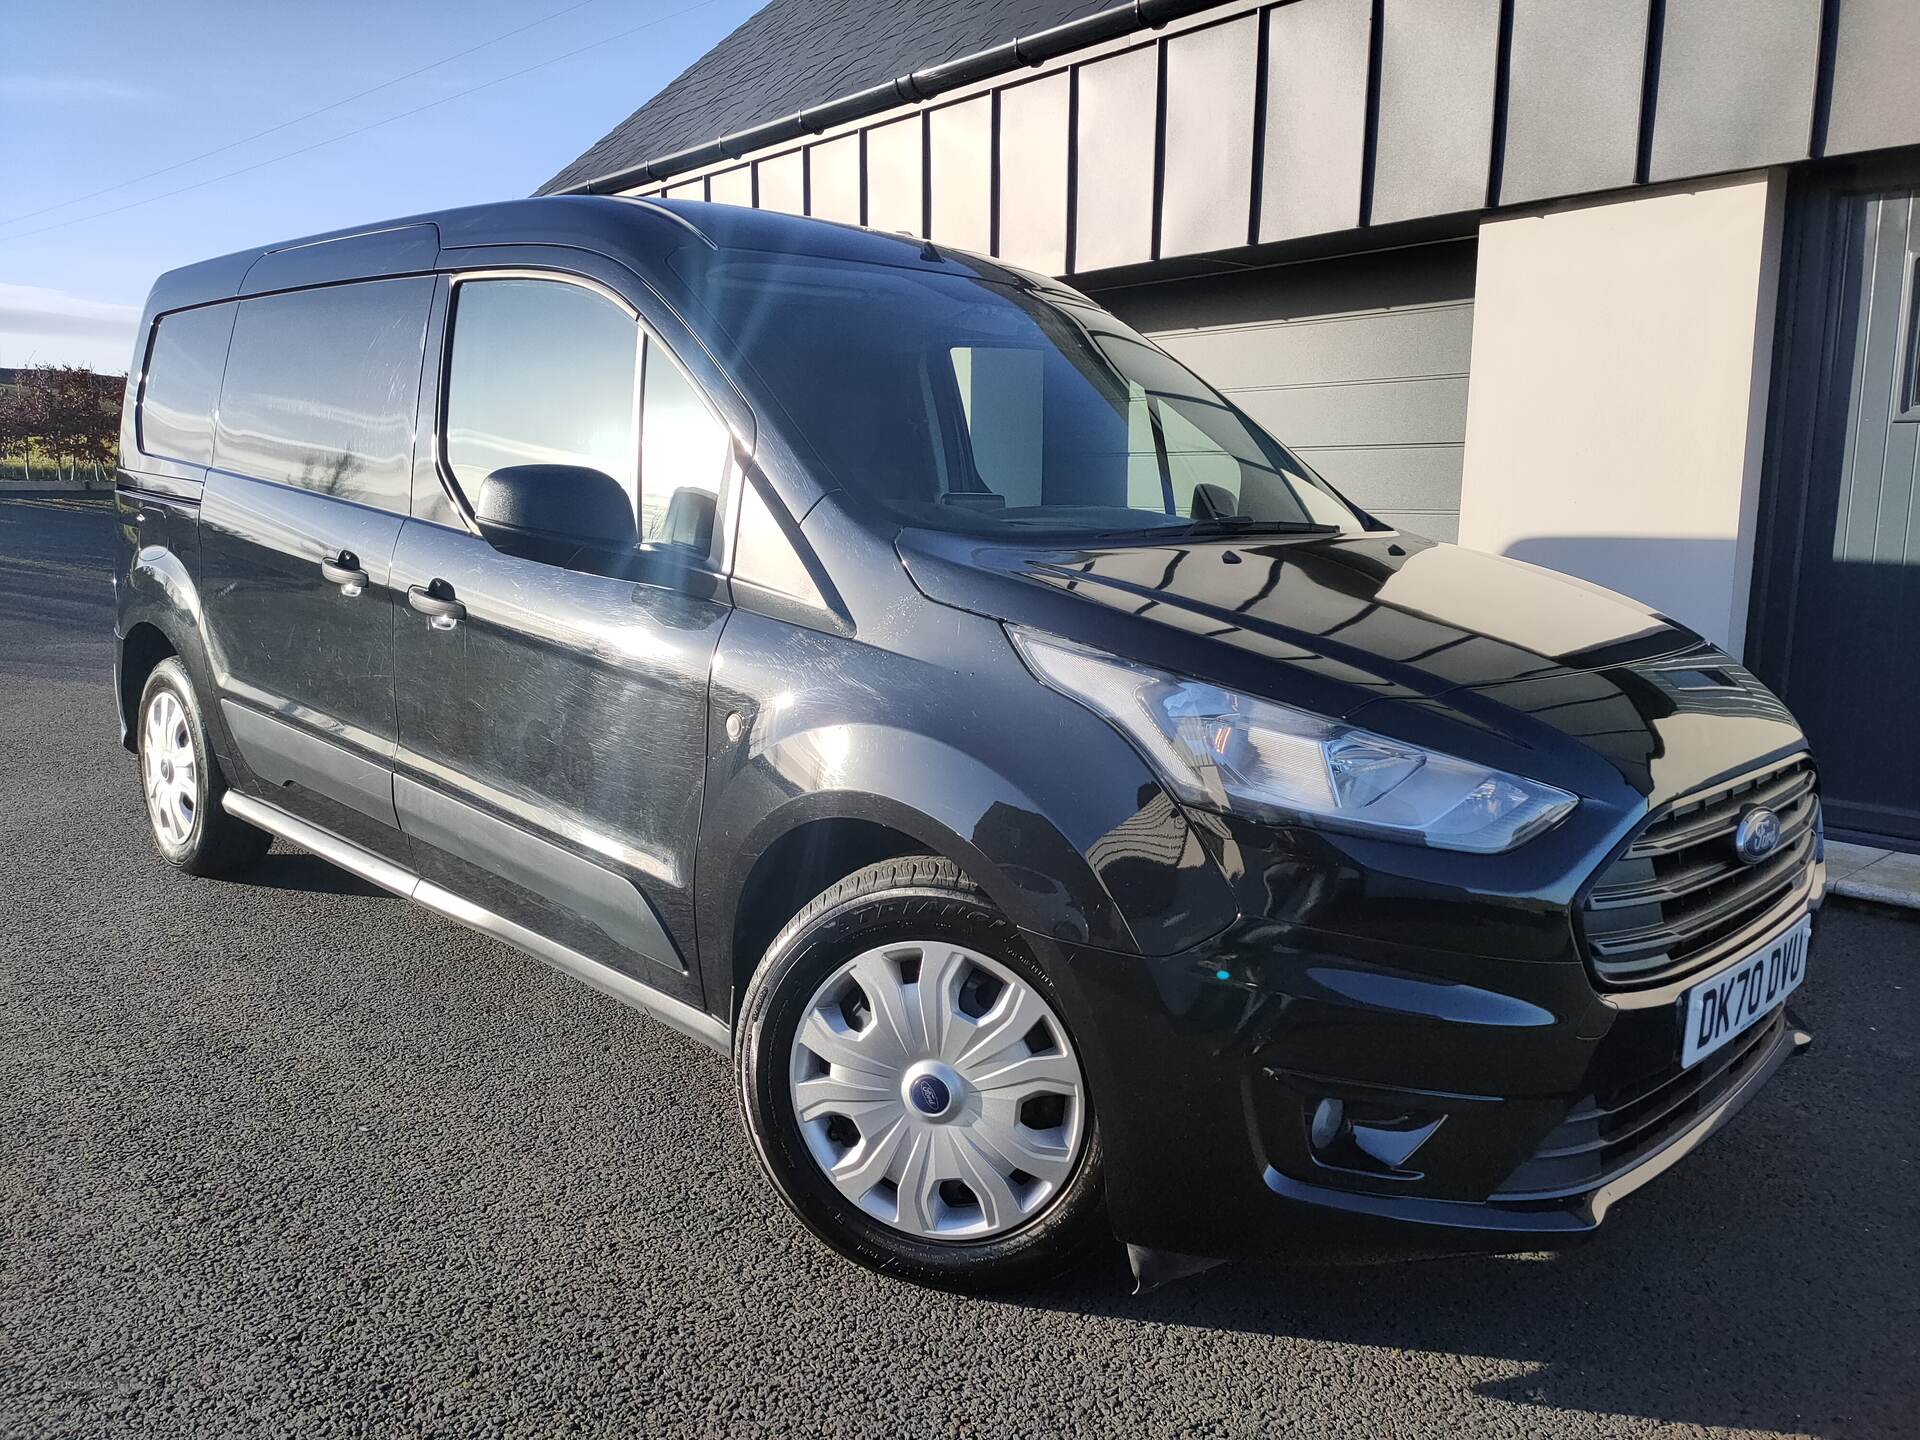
289, 1157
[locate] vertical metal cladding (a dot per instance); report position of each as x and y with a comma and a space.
833, 180
1313, 151
896, 195
1876, 57
782, 182
1207, 193
1032, 198
1113, 152
1198, 138
960, 173
1434, 135
1574, 83
1736, 85
731, 187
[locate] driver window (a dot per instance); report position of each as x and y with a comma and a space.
575, 441
542, 373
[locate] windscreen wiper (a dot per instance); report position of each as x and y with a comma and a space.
1247, 525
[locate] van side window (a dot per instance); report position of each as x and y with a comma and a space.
684, 453
183, 381
321, 389
542, 373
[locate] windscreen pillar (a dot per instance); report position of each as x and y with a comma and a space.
1616, 414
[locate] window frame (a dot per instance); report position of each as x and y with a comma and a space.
646, 338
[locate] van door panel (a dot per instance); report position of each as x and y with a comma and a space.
312, 463
287, 641
567, 712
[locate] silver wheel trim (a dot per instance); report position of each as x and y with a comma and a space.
169, 771
870, 1033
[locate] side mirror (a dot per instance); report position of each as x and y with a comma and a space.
552, 512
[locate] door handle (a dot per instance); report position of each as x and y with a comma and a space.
435, 600
344, 570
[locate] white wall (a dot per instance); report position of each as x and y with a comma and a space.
1615, 417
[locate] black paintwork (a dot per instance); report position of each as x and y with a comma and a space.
701, 732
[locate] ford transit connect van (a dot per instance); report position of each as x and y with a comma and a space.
1074, 818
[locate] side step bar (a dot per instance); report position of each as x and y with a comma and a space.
401, 881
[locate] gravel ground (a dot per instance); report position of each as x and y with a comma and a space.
290, 1157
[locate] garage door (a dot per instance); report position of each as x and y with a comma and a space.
1359, 363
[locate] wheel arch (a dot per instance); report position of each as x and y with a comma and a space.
160, 617
142, 649
1027, 870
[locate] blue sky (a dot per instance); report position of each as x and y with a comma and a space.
94, 92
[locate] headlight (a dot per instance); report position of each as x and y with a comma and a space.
1224, 751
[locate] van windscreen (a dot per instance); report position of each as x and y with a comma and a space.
976, 405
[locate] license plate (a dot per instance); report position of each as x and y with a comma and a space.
1722, 1007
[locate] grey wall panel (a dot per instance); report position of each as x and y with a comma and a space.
1113, 147
895, 184
1573, 97
1876, 73
1392, 477
731, 187
1735, 87
782, 182
1033, 174
1425, 342
1434, 139
1378, 280
1206, 202
1316, 121
960, 182
1359, 362
833, 180
1389, 412
1434, 524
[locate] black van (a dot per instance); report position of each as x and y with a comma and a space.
1073, 816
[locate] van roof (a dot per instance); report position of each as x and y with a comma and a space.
617, 226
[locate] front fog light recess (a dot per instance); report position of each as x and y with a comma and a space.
1370, 1138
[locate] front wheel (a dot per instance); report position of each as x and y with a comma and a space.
912, 1088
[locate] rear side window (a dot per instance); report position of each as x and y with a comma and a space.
183, 381
321, 389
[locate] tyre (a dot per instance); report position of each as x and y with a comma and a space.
913, 1089
183, 784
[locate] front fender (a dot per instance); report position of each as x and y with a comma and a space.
1044, 805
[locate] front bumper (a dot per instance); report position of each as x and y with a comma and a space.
1528, 1102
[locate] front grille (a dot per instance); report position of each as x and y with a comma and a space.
1605, 1135
1679, 899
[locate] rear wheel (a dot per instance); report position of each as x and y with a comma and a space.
183, 785
913, 1089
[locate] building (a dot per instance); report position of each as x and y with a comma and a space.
1625, 287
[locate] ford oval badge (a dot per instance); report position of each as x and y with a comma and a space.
1757, 836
